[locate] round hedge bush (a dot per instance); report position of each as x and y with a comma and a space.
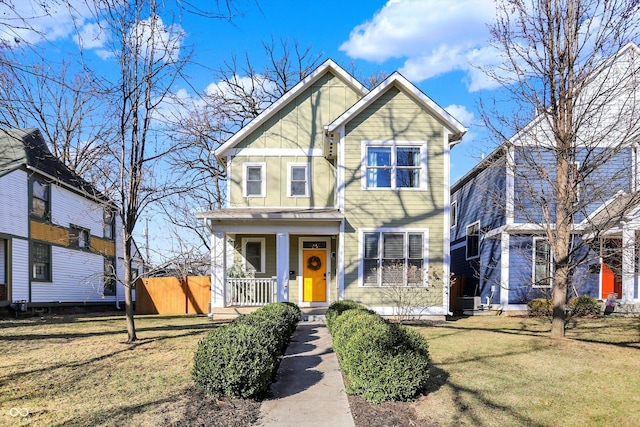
233, 361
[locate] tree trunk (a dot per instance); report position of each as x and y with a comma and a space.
128, 291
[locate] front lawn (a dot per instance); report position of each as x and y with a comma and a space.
78, 371
487, 371
505, 371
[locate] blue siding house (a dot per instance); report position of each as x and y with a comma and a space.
500, 253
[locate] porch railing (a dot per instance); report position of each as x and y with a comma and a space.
250, 292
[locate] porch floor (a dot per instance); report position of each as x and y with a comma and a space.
309, 314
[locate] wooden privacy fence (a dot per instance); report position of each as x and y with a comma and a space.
173, 295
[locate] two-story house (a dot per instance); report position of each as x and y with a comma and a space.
330, 187
59, 241
500, 251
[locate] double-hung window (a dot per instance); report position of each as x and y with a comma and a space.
393, 258
253, 255
41, 261
394, 165
40, 202
454, 214
109, 276
542, 265
108, 224
254, 180
473, 240
298, 179
78, 237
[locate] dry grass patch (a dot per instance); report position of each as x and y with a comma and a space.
505, 371
78, 371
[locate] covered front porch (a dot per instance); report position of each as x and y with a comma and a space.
259, 256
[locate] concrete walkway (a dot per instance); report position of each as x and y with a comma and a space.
309, 389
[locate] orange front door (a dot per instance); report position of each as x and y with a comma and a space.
611, 268
314, 275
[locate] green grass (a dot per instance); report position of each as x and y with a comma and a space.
505, 371
72, 370
487, 371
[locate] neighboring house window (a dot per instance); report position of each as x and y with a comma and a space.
396, 166
454, 214
473, 240
41, 262
298, 179
109, 276
254, 180
542, 264
108, 221
253, 254
393, 258
78, 237
40, 199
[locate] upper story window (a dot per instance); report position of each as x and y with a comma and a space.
473, 240
393, 258
254, 178
454, 214
108, 224
40, 199
394, 165
542, 265
78, 237
298, 180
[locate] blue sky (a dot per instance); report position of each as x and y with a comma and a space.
436, 44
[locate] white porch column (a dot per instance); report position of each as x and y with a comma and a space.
218, 268
628, 263
282, 266
504, 269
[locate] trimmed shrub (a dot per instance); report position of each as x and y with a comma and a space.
240, 359
380, 360
337, 308
540, 307
583, 306
230, 361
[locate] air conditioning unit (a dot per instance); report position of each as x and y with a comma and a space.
469, 303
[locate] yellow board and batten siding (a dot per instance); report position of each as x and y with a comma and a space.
299, 125
395, 116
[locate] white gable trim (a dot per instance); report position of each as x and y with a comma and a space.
287, 97
397, 79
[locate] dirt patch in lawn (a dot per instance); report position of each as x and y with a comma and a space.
201, 410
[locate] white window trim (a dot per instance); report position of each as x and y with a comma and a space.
533, 264
454, 213
467, 240
406, 231
307, 170
394, 144
262, 242
263, 177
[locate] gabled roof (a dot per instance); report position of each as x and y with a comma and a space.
315, 75
396, 79
26, 148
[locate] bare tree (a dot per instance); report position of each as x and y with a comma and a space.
575, 114
66, 107
241, 92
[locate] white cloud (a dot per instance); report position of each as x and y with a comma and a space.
432, 36
151, 37
91, 36
460, 113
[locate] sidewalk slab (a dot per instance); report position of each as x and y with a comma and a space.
309, 389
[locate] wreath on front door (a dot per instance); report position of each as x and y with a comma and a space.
314, 263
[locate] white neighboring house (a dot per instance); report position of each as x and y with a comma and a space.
60, 239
